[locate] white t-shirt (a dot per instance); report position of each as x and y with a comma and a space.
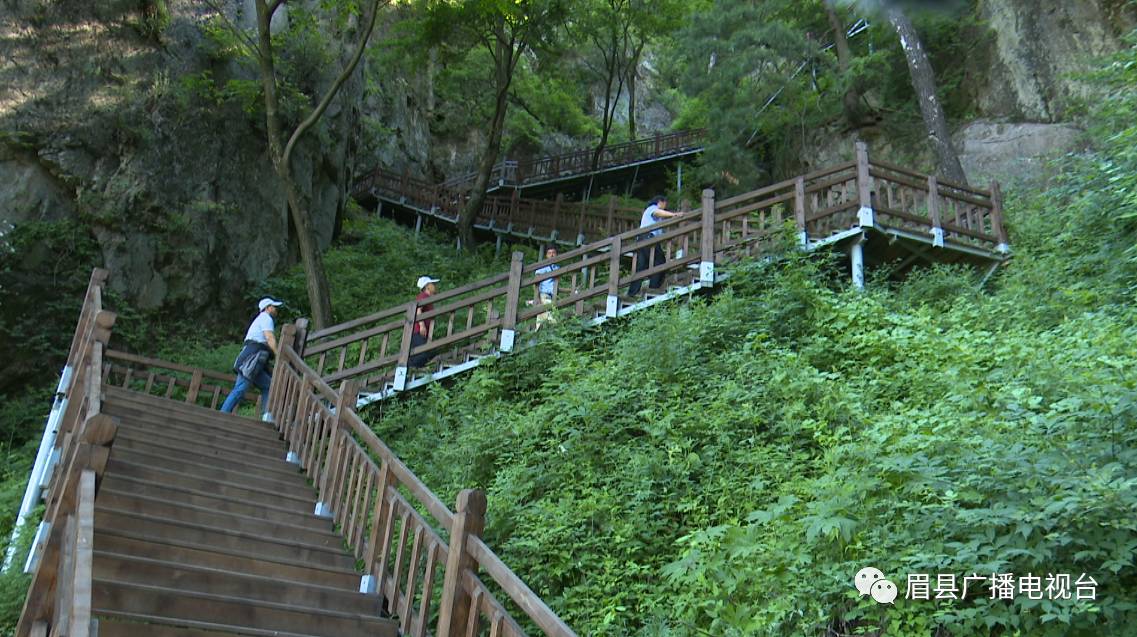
263, 323
648, 219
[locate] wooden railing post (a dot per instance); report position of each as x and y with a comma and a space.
613, 306
405, 349
469, 520
707, 247
276, 388
611, 215
370, 582
557, 203
799, 212
997, 218
865, 214
195, 387
349, 392
580, 239
934, 211
300, 342
512, 297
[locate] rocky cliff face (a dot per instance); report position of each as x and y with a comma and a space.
107, 116
1040, 51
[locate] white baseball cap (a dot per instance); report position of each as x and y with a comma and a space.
424, 281
265, 302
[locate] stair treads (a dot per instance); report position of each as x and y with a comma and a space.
285, 568
181, 512
199, 437
171, 449
237, 475
179, 605
331, 553
146, 468
299, 514
211, 421
164, 573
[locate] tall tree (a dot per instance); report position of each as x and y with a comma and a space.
506, 29
851, 101
607, 25
281, 145
924, 82
319, 296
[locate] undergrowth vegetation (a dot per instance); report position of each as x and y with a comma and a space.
725, 467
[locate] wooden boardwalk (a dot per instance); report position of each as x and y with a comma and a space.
167, 518
506, 213
879, 212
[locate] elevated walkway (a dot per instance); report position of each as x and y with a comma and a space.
510, 209
879, 213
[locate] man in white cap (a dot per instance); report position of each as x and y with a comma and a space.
251, 365
421, 330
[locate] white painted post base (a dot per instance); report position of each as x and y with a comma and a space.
937, 237
613, 307
507, 338
400, 378
865, 217
368, 584
323, 510
707, 272
267, 417
803, 240
292, 457
1002, 248
857, 258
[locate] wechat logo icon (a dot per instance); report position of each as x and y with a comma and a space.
871, 581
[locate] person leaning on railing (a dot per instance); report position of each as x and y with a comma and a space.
655, 212
252, 364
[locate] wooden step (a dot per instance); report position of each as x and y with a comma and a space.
176, 405
299, 515
181, 512
329, 553
233, 475
272, 468
196, 436
131, 625
157, 572
147, 469
109, 597
201, 419
138, 544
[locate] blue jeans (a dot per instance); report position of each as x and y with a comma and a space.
263, 381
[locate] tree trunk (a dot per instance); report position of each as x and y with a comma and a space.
503, 75
854, 111
632, 71
316, 279
924, 81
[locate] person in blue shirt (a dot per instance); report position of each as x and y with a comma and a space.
655, 212
547, 289
252, 363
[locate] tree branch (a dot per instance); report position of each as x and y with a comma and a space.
315, 115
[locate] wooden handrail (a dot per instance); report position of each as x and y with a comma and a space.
361, 484
59, 597
142, 369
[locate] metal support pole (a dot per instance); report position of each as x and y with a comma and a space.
857, 260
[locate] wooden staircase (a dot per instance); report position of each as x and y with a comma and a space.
202, 528
165, 517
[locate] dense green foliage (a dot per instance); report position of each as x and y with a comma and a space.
726, 467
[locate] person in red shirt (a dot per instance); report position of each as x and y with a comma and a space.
421, 332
